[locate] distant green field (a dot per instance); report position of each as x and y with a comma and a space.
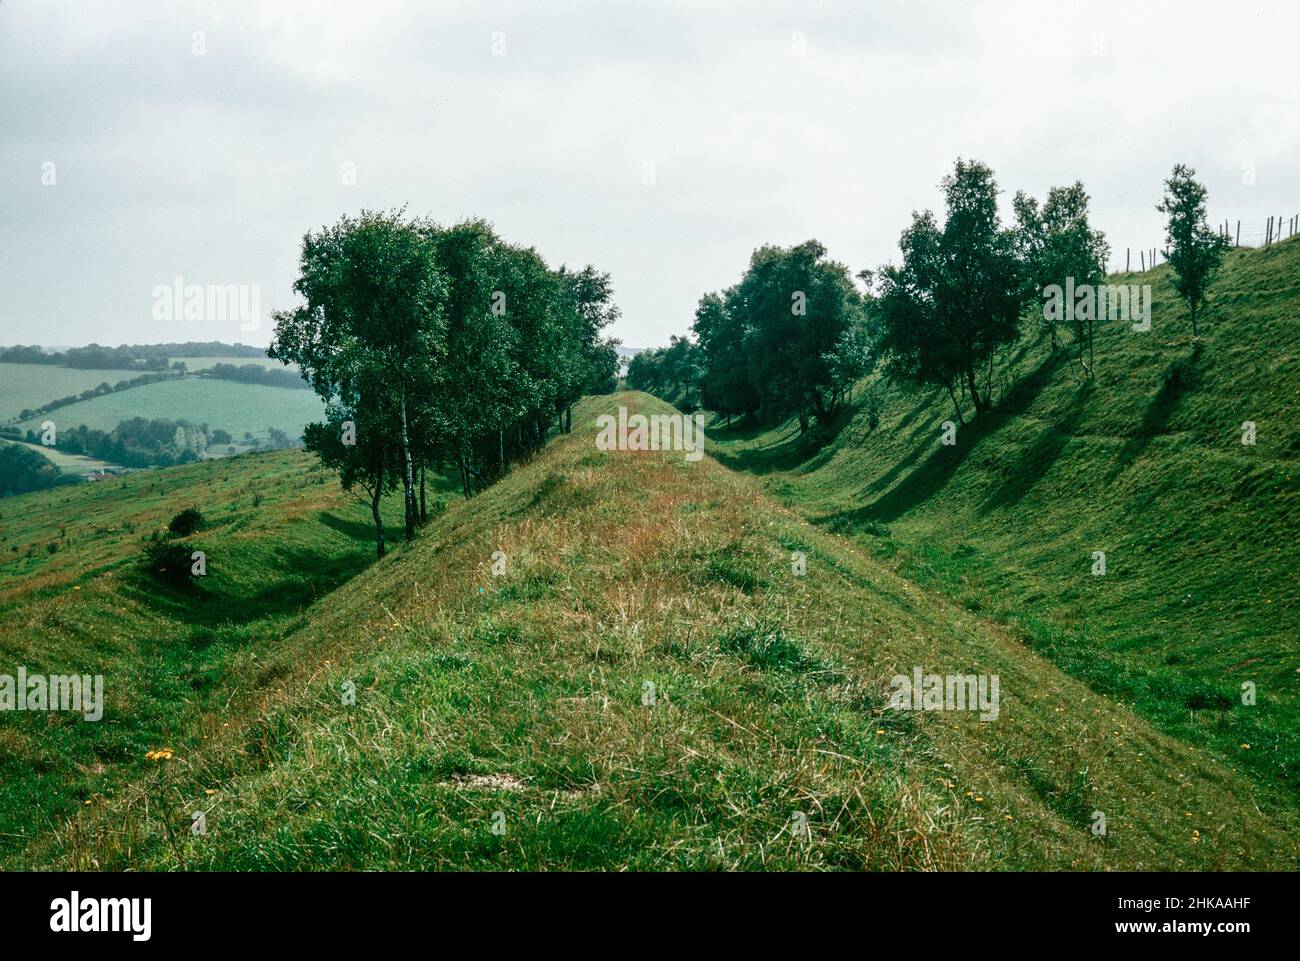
226, 404
32, 385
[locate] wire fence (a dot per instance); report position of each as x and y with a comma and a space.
1242, 233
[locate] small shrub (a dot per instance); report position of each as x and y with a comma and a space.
201, 636
872, 407
766, 647
168, 560
1208, 700
186, 522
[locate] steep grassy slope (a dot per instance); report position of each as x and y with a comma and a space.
73, 600
648, 685
1145, 463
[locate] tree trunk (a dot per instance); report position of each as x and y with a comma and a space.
568, 419
501, 451
955, 406
424, 514
380, 548
408, 476
973, 388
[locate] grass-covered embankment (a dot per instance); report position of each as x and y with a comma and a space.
1144, 462
648, 685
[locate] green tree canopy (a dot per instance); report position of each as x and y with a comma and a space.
1195, 250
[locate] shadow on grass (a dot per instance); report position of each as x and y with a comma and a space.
1182, 376
305, 576
937, 470
924, 441
740, 428
920, 485
921, 438
1037, 459
362, 531
808, 451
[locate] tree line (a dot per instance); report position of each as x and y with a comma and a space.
23, 470
673, 373
797, 330
438, 348
789, 338
141, 441
255, 374
124, 356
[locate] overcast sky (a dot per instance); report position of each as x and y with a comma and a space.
764, 123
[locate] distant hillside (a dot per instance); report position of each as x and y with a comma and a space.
30, 386
239, 393
124, 356
233, 406
1145, 463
